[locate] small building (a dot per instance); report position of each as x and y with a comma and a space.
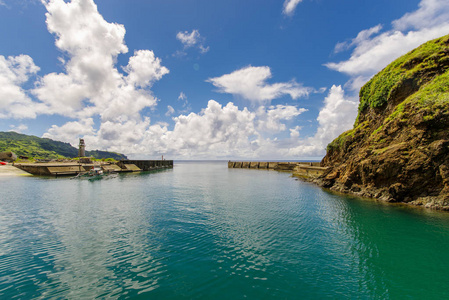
8, 156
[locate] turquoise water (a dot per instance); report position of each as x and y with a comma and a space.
202, 231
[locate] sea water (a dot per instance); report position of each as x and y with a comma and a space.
203, 231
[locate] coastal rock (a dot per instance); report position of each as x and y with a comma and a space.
398, 149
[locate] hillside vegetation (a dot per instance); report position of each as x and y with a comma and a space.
32, 146
398, 149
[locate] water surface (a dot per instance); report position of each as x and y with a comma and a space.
202, 231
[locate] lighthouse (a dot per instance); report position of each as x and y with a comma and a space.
82, 149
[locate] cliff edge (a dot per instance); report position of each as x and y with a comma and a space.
398, 149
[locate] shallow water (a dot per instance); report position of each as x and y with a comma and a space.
203, 231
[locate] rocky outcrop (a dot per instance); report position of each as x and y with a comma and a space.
398, 150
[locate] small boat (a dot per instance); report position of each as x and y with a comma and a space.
96, 171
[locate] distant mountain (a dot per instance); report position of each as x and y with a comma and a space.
33, 146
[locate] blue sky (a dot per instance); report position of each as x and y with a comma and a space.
200, 79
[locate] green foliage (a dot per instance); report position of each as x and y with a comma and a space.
32, 146
417, 86
431, 99
35, 147
104, 154
378, 130
339, 141
413, 69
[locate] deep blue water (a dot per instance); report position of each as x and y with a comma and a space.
202, 231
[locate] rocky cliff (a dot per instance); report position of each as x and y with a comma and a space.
398, 150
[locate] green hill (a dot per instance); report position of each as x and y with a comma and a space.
33, 146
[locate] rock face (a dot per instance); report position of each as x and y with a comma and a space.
398, 150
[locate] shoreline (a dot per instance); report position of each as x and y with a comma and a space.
324, 178
377, 194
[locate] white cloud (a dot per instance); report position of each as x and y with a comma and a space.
19, 128
70, 132
362, 36
431, 13
290, 6
144, 68
294, 132
372, 55
192, 39
270, 120
185, 103
215, 132
91, 83
250, 83
170, 110
14, 101
374, 51
337, 116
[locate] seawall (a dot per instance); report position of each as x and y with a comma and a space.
74, 168
300, 169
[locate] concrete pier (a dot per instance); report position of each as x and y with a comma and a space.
148, 165
74, 168
306, 169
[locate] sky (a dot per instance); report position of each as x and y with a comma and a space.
200, 79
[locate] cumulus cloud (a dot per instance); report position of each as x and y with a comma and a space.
270, 120
290, 6
217, 131
14, 100
192, 39
70, 132
144, 68
251, 83
337, 116
91, 83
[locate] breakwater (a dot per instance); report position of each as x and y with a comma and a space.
74, 168
148, 165
301, 169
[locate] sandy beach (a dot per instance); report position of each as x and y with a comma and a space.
10, 171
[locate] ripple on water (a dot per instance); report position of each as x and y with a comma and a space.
204, 231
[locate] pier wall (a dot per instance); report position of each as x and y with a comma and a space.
305, 169
147, 165
63, 168
288, 166
54, 169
